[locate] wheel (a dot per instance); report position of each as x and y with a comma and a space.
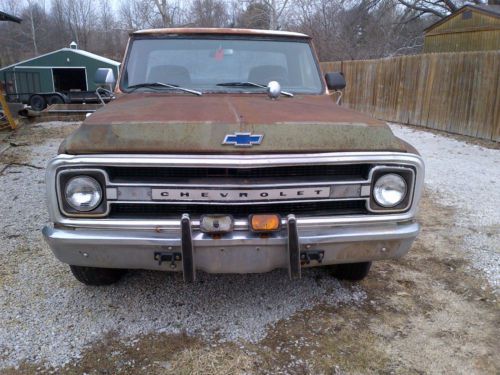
54, 99
351, 271
38, 103
97, 276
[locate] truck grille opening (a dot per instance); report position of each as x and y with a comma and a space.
311, 172
174, 211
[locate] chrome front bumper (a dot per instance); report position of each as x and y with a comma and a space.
236, 252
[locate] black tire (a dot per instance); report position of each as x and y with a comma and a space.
55, 99
351, 271
38, 103
97, 276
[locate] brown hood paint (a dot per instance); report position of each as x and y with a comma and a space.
177, 123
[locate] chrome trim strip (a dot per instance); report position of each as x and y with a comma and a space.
239, 203
211, 185
235, 161
153, 238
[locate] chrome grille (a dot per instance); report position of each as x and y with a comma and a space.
203, 176
311, 172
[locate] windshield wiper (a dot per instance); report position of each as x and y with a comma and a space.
250, 84
167, 85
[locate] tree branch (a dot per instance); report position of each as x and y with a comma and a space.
414, 6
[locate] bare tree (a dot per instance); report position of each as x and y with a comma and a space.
60, 21
82, 19
75, 19
140, 14
9, 34
110, 40
367, 29
106, 20
264, 13
255, 16
163, 9
33, 14
277, 9
34, 20
170, 12
208, 13
137, 14
318, 18
439, 8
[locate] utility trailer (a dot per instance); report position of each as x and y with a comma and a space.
30, 93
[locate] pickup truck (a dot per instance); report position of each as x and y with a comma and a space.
225, 152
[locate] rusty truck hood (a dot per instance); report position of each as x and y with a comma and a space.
173, 123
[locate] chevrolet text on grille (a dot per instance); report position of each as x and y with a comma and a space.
238, 194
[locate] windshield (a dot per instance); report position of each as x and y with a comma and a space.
219, 65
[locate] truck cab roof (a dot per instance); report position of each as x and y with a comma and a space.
219, 31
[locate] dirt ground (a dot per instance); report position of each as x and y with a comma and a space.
428, 313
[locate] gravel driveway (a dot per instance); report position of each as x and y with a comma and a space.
407, 316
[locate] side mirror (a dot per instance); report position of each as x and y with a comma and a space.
335, 81
105, 76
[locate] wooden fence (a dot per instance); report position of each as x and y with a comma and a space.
454, 92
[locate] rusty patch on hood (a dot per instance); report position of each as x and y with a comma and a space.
172, 123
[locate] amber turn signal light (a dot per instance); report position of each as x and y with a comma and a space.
265, 223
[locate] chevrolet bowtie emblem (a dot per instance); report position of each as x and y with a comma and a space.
243, 139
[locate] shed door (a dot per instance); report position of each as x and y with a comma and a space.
66, 79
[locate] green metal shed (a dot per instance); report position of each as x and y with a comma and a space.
67, 69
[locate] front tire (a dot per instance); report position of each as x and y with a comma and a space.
351, 271
97, 276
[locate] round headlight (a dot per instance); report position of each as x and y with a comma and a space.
389, 190
83, 193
